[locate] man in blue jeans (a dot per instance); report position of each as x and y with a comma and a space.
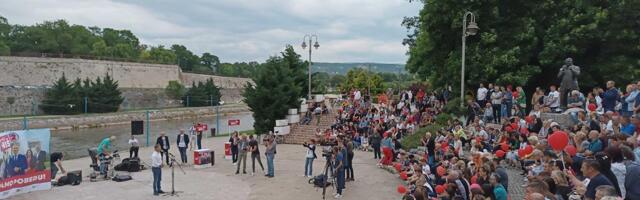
339, 170
270, 153
156, 165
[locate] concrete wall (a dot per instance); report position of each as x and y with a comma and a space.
107, 119
142, 85
33, 71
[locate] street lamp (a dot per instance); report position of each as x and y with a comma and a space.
467, 30
304, 46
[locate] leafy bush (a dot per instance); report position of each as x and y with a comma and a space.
202, 94
175, 90
453, 107
413, 141
443, 118
100, 96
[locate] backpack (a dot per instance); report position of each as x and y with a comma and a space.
320, 181
121, 178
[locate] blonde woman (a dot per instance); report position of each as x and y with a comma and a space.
563, 189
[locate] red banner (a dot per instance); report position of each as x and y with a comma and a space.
25, 180
234, 122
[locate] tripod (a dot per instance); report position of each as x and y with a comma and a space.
173, 167
327, 166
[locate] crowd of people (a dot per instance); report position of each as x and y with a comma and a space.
591, 157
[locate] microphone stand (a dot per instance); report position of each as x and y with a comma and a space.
173, 164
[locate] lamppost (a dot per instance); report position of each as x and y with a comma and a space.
467, 30
304, 46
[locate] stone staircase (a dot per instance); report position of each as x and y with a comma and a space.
303, 133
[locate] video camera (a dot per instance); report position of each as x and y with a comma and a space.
327, 151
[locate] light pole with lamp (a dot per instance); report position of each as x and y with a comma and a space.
467, 30
304, 46
220, 103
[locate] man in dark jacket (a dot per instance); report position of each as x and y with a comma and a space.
610, 97
375, 144
39, 157
632, 181
183, 143
163, 141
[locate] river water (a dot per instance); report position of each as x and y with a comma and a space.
74, 143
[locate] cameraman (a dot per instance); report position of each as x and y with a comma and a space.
311, 155
339, 170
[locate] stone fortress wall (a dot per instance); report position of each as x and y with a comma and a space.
24, 80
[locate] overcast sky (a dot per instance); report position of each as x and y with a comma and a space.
241, 30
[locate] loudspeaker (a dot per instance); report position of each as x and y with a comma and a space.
75, 177
137, 127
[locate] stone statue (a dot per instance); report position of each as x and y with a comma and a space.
568, 76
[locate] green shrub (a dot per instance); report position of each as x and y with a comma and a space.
175, 90
413, 141
443, 118
453, 107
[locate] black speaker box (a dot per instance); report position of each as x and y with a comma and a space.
137, 127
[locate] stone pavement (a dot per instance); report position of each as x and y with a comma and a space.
219, 181
516, 191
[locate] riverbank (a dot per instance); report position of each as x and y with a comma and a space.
63, 122
220, 182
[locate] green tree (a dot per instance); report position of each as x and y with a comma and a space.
298, 70
104, 96
358, 78
202, 94
161, 55
209, 60
61, 99
320, 82
185, 58
525, 42
175, 90
273, 92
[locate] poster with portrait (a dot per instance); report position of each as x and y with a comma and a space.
24, 161
202, 158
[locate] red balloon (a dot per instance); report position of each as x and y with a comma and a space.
508, 129
402, 189
398, 167
441, 171
514, 126
558, 140
504, 146
440, 189
521, 153
403, 176
444, 145
528, 149
571, 150
474, 179
500, 153
529, 119
592, 107
524, 131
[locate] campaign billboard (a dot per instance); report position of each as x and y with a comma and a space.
24, 161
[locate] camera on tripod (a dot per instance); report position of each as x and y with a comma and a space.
327, 151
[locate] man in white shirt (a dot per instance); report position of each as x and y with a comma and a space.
156, 165
554, 99
133, 150
481, 96
192, 136
183, 143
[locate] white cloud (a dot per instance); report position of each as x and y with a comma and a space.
241, 30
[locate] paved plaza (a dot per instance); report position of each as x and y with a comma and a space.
220, 182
